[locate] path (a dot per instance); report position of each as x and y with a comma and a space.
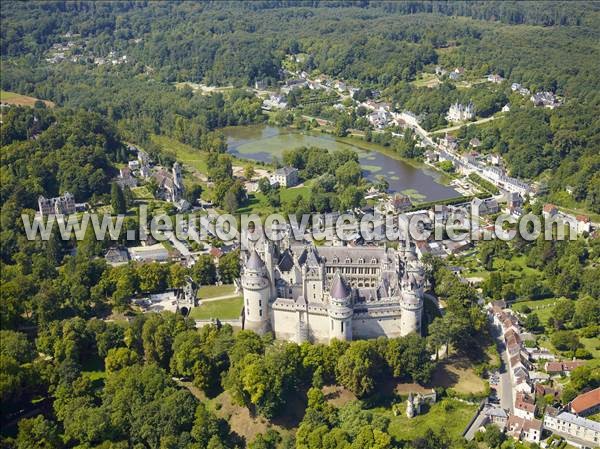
476, 122
218, 298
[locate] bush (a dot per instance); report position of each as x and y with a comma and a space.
590, 331
583, 353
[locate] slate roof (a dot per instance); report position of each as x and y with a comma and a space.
339, 289
254, 261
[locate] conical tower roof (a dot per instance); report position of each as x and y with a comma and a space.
254, 261
339, 289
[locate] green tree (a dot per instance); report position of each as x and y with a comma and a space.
38, 433
229, 267
119, 358
117, 199
358, 368
204, 270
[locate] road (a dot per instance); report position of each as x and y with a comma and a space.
505, 391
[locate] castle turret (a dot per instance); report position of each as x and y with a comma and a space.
340, 309
177, 179
411, 304
256, 288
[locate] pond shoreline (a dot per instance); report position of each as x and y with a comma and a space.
259, 143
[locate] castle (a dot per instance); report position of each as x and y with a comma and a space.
170, 185
304, 293
459, 112
60, 205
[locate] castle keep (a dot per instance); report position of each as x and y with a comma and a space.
304, 293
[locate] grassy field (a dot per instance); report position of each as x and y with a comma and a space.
458, 375
542, 307
515, 266
184, 153
592, 345
448, 414
212, 291
21, 100
225, 309
258, 203
141, 193
426, 80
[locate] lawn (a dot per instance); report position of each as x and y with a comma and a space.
141, 193
20, 100
258, 203
448, 414
426, 80
224, 309
592, 345
542, 307
212, 291
184, 153
458, 375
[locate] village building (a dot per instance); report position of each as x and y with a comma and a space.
546, 99
587, 403
562, 368
549, 210
524, 406
126, 178
522, 429
285, 177
577, 431
495, 78
484, 207
116, 256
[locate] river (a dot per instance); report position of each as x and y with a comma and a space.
262, 143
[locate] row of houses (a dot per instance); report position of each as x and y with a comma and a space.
568, 422
578, 223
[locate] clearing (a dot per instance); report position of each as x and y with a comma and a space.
224, 309
448, 414
21, 100
459, 375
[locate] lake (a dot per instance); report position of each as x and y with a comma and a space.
262, 143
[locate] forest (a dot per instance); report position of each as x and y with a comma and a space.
377, 45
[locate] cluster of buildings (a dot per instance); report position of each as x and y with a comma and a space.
577, 223
545, 99
567, 422
454, 75
470, 163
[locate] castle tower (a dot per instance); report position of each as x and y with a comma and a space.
177, 182
411, 304
177, 179
340, 309
270, 267
256, 288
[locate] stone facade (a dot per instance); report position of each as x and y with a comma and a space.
304, 293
